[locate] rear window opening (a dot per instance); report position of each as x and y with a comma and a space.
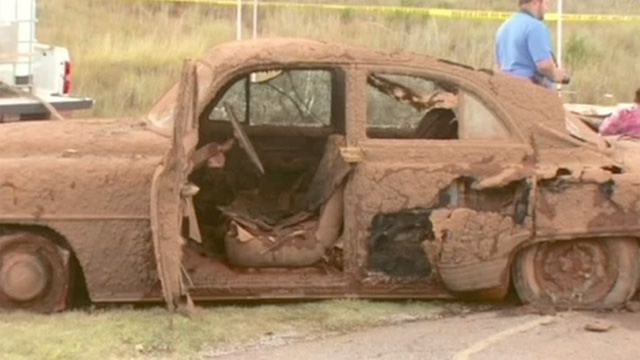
408, 106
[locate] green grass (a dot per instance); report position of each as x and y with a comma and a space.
127, 53
122, 333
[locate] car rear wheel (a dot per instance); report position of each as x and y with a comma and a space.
590, 273
35, 273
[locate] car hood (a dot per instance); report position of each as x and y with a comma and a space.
87, 137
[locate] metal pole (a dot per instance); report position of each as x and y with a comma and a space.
32, 30
559, 33
255, 31
255, 19
239, 21
559, 44
18, 59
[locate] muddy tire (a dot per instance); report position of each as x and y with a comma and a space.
593, 273
35, 273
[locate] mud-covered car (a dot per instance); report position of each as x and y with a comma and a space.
287, 168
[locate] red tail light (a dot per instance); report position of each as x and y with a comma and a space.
66, 86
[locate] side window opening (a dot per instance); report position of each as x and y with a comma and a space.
403, 106
295, 97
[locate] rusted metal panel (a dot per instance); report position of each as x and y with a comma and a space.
605, 205
99, 204
473, 248
487, 236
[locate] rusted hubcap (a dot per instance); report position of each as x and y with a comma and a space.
22, 276
574, 271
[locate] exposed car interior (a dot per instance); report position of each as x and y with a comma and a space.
274, 199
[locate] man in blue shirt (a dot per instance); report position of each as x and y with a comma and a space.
523, 45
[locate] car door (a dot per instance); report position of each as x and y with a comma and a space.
169, 195
442, 189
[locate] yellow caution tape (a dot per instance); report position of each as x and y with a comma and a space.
442, 13
594, 18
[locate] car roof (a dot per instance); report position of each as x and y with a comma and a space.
537, 112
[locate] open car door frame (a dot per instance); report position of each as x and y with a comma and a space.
168, 189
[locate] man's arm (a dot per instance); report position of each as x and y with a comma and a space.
549, 69
539, 44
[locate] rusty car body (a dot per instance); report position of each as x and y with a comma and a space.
288, 168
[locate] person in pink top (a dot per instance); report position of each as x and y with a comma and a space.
623, 122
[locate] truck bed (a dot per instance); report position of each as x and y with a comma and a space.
24, 108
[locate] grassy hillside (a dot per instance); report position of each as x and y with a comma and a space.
127, 52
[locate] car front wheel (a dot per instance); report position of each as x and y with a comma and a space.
590, 273
35, 273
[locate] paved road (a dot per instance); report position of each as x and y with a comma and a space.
506, 334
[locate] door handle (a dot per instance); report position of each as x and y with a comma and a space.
352, 154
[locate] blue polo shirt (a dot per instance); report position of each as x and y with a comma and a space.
521, 42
